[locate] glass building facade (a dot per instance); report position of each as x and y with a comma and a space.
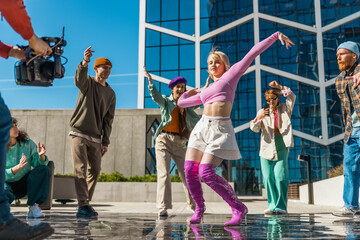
176, 37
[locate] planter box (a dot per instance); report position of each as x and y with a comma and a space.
64, 187
144, 192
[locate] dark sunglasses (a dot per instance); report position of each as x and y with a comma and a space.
271, 99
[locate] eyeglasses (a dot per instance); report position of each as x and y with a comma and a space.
271, 99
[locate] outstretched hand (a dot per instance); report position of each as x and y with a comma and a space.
193, 92
87, 55
355, 78
147, 74
285, 39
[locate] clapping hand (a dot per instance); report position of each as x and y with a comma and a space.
20, 166
41, 151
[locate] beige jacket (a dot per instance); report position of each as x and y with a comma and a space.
267, 140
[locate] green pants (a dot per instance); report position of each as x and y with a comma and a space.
276, 176
35, 184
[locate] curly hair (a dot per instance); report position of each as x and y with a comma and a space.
22, 137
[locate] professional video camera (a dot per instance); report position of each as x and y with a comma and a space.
39, 70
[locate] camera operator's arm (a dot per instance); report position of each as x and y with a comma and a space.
81, 76
15, 14
11, 51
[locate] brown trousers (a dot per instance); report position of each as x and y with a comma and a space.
86, 156
169, 146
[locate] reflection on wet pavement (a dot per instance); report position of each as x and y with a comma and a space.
149, 226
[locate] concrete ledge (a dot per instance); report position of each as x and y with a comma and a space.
144, 192
327, 192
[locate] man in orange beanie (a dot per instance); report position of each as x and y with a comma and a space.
90, 128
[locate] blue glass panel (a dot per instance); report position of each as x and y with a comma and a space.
219, 13
334, 10
187, 59
153, 10
149, 103
152, 58
187, 9
204, 75
170, 58
187, 27
169, 10
323, 159
189, 75
205, 49
301, 11
168, 39
204, 26
205, 8
152, 38
300, 59
164, 89
244, 107
334, 112
248, 178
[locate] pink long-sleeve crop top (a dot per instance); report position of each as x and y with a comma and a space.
224, 88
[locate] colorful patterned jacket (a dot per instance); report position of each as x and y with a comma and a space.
341, 84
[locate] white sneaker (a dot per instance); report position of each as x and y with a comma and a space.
163, 212
281, 212
35, 212
344, 211
268, 212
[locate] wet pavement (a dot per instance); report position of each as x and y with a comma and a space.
131, 221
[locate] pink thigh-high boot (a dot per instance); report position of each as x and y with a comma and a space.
194, 186
223, 188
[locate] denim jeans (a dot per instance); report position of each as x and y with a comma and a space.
351, 173
5, 125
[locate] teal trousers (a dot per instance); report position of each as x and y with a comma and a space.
35, 184
276, 176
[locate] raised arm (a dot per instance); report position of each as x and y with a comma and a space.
189, 99
237, 70
286, 92
15, 14
290, 98
256, 123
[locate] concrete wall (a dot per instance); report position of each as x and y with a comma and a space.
127, 141
327, 192
145, 192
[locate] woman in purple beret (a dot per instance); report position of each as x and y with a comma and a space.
213, 138
171, 137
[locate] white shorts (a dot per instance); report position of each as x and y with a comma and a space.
216, 137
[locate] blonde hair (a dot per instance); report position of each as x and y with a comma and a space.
219, 55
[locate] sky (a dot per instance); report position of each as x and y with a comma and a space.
110, 27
